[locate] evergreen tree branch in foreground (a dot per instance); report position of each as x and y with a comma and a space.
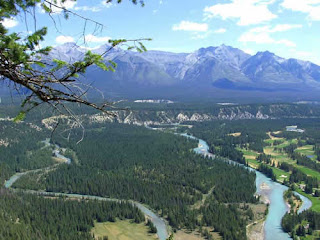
25, 65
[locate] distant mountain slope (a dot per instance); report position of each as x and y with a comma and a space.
204, 72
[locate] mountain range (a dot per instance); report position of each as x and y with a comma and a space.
208, 72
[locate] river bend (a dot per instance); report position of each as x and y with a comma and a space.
273, 191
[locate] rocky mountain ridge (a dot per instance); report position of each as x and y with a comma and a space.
213, 67
154, 117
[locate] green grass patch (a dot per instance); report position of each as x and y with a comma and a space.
307, 150
280, 173
122, 230
308, 171
287, 143
248, 152
253, 163
250, 157
315, 200
270, 141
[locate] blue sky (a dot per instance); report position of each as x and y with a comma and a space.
289, 28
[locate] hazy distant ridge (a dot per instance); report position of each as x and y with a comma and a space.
221, 67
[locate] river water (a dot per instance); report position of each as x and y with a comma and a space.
265, 186
273, 191
158, 222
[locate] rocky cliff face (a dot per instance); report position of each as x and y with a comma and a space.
147, 117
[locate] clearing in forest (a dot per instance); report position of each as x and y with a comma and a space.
273, 137
182, 235
236, 134
122, 230
308, 151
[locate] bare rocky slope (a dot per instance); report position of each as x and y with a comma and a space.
157, 117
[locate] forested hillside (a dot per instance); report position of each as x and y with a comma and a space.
289, 157
21, 148
158, 169
31, 217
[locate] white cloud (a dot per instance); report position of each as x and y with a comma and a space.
247, 12
306, 56
259, 38
310, 7
96, 8
277, 28
9, 23
64, 39
220, 30
285, 27
87, 8
286, 42
94, 39
58, 6
262, 35
197, 35
249, 51
263, 38
105, 4
190, 26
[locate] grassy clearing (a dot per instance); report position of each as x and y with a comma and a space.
308, 171
236, 134
59, 160
279, 157
280, 174
309, 237
283, 157
250, 157
271, 151
273, 138
248, 152
255, 227
287, 143
307, 150
252, 163
122, 230
181, 235
277, 132
201, 202
315, 200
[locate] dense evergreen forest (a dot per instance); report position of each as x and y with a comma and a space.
21, 147
31, 217
156, 168
159, 169
301, 224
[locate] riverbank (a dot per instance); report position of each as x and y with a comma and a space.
293, 201
271, 191
159, 223
255, 230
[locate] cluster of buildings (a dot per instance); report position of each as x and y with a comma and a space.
294, 129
